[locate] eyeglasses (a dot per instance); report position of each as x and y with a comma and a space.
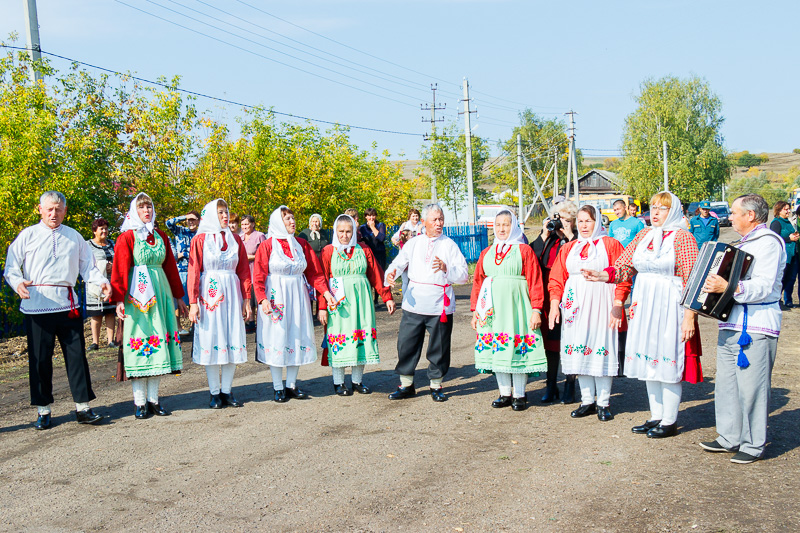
661, 208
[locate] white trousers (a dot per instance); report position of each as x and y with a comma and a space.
357, 374
665, 400
277, 376
215, 385
145, 390
504, 382
592, 386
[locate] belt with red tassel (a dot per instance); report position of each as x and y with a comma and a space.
443, 317
73, 311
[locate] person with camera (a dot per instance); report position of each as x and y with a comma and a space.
556, 231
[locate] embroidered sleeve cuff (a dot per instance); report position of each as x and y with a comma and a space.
739, 289
612, 274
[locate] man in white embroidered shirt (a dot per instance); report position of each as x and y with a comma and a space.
748, 342
434, 263
42, 265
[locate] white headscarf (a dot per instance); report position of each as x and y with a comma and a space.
516, 236
597, 232
673, 222
209, 222
312, 233
133, 222
277, 229
338, 245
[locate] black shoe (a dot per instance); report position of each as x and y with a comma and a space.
142, 412
113, 344
43, 422
569, 390
438, 395
716, 447
403, 392
228, 399
604, 414
156, 409
87, 416
296, 393
92, 347
519, 404
216, 402
280, 396
550, 393
743, 458
502, 401
647, 426
361, 388
584, 410
342, 390
660, 432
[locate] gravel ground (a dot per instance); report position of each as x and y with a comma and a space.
363, 463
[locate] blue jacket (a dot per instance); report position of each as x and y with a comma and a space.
704, 232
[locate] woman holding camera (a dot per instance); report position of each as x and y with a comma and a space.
557, 231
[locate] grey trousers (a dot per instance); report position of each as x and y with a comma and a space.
741, 395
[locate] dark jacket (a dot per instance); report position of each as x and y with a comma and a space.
784, 228
546, 251
703, 232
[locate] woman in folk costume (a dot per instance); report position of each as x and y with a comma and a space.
145, 282
507, 301
591, 313
663, 346
285, 332
350, 269
219, 297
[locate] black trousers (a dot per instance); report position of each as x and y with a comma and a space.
411, 337
43, 330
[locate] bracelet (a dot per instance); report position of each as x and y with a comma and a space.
538, 311
618, 302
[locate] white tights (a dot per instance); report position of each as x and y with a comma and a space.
599, 386
213, 373
357, 374
277, 376
665, 400
504, 382
145, 390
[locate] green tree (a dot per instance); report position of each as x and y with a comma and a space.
756, 182
686, 114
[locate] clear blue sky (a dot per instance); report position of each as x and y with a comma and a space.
550, 56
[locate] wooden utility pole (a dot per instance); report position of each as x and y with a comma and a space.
468, 138
433, 120
519, 178
572, 160
34, 46
666, 180
555, 176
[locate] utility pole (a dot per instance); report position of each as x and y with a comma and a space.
34, 46
555, 175
468, 137
666, 181
433, 120
519, 178
572, 160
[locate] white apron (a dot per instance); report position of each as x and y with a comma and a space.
588, 345
654, 350
286, 336
219, 335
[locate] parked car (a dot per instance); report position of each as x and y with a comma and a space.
487, 212
645, 217
723, 214
692, 209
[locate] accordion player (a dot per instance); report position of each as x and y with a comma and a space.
725, 261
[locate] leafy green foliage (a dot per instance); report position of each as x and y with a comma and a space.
757, 182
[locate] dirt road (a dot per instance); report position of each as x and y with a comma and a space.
363, 463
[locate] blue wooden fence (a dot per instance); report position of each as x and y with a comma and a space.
471, 239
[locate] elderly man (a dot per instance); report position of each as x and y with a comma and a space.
42, 265
434, 263
747, 344
704, 227
626, 226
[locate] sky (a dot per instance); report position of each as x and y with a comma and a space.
370, 63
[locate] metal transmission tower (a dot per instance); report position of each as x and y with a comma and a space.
468, 138
433, 108
33, 37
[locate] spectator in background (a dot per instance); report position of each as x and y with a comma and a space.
183, 244
788, 232
96, 309
251, 239
704, 227
633, 209
626, 226
234, 224
313, 235
374, 235
413, 225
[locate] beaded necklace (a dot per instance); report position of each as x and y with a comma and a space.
499, 257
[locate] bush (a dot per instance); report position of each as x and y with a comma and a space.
796, 151
748, 160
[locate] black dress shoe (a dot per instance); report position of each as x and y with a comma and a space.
584, 410
43, 422
660, 432
361, 388
142, 412
156, 409
280, 396
502, 401
604, 414
87, 416
438, 395
228, 399
519, 404
296, 393
550, 393
647, 426
342, 390
403, 392
216, 402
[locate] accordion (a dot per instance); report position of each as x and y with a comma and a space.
723, 260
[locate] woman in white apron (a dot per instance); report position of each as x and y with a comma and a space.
663, 345
219, 296
590, 313
285, 332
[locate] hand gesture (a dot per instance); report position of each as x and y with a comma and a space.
595, 275
391, 306
535, 321
391, 277
439, 265
329, 299
22, 289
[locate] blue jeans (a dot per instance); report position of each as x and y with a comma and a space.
790, 274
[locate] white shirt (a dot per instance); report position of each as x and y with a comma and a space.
762, 284
50, 257
426, 289
415, 229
